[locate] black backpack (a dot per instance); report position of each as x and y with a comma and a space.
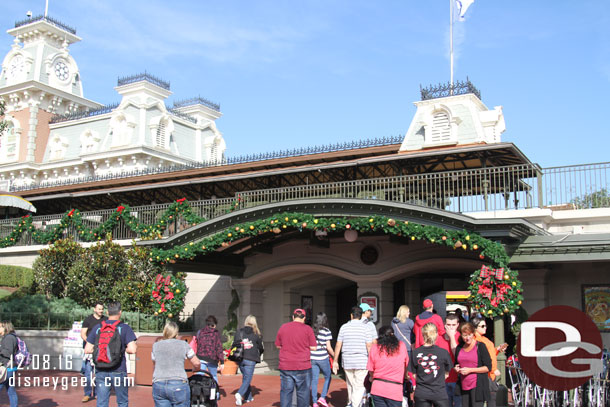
108, 350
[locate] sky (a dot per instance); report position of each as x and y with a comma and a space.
294, 74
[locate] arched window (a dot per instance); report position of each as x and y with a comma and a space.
441, 128
9, 143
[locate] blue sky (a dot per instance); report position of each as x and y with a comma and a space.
291, 74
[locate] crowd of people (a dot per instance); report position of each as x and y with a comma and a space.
422, 362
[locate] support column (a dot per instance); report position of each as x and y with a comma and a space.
383, 290
499, 340
32, 124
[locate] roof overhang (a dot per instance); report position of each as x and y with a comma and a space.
563, 248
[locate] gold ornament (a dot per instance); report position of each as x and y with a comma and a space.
519, 302
315, 221
251, 227
514, 283
475, 247
506, 277
241, 231
177, 291
229, 234
468, 237
464, 246
170, 315
457, 244
295, 221
332, 225
391, 222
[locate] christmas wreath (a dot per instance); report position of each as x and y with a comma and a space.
169, 292
495, 292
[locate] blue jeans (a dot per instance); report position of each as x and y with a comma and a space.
454, 401
318, 366
247, 371
385, 402
87, 371
210, 367
291, 379
104, 381
171, 393
10, 388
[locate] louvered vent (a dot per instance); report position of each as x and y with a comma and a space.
441, 130
161, 134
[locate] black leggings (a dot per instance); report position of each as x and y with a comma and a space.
431, 403
469, 400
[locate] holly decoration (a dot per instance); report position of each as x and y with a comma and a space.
168, 292
73, 219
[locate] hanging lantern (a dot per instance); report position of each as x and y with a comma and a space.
350, 235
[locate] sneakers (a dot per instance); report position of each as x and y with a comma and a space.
238, 401
86, 399
321, 402
315, 405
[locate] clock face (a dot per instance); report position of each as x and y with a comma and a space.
62, 71
16, 66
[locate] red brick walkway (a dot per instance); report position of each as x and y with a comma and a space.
266, 389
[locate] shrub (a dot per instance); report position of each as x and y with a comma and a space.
15, 276
51, 267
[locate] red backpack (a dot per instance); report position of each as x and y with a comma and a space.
108, 350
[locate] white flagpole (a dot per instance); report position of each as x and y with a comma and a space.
46, 8
451, 43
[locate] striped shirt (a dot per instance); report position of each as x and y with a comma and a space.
321, 353
370, 325
354, 336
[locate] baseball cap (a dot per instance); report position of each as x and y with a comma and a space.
366, 307
428, 303
299, 311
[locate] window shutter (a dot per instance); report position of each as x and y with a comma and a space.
441, 129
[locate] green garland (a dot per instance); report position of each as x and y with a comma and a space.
74, 218
491, 297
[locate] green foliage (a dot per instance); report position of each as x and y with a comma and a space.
73, 218
52, 265
15, 276
598, 199
104, 272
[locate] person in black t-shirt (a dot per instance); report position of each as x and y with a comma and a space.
431, 365
87, 369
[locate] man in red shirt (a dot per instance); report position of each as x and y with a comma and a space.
295, 340
448, 341
424, 318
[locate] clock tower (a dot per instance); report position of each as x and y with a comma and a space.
39, 78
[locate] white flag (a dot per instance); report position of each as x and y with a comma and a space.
462, 6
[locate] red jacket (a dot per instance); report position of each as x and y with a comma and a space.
423, 319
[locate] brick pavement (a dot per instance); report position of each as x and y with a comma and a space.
266, 390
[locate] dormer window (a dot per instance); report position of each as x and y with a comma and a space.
441, 128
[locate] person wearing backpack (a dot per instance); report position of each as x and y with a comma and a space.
209, 347
8, 348
108, 342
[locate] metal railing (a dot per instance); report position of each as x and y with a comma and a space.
475, 190
63, 320
48, 19
448, 89
248, 158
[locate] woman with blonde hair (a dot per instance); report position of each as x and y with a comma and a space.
251, 339
431, 365
8, 347
170, 384
403, 326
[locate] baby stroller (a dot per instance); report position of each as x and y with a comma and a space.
204, 390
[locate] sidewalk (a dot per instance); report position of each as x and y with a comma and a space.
266, 390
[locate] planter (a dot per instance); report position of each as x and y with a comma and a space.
230, 368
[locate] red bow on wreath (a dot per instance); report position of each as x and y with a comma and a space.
162, 284
487, 273
71, 212
120, 209
180, 200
